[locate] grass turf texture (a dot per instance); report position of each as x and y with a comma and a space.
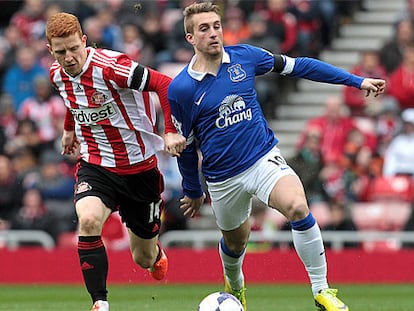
177, 297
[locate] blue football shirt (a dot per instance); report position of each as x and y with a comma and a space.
221, 115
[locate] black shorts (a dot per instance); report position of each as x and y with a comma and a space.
136, 196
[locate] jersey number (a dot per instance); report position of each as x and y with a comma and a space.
154, 212
278, 160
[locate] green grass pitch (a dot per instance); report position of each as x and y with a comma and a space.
180, 297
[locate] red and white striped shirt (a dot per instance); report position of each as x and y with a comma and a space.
115, 124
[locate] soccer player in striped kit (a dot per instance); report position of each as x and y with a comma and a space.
111, 119
214, 104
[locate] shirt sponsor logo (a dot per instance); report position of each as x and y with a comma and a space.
89, 116
232, 110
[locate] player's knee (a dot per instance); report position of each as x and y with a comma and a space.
237, 247
297, 210
90, 225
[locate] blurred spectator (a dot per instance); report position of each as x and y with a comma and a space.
308, 24
46, 109
54, 181
267, 86
8, 118
43, 55
10, 192
329, 22
154, 34
56, 187
11, 40
282, 24
391, 53
111, 31
340, 220
334, 125
26, 136
134, 44
94, 30
84, 9
387, 122
30, 20
19, 79
179, 50
401, 82
173, 217
398, 158
235, 27
368, 66
266, 221
34, 215
356, 161
307, 163
25, 165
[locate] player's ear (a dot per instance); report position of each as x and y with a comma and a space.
84, 39
189, 38
49, 48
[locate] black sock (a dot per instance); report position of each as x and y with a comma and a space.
94, 266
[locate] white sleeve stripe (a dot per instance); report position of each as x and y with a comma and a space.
289, 65
144, 79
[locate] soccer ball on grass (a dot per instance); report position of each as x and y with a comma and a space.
220, 301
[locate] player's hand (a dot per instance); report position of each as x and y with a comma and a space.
377, 86
70, 142
174, 143
191, 206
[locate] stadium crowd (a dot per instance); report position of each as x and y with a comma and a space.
342, 156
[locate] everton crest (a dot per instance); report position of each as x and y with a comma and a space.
237, 73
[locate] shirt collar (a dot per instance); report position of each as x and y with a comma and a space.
200, 75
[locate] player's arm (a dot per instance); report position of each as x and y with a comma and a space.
188, 163
145, 79
316, 70
69, 140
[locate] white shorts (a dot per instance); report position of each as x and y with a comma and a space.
231, 199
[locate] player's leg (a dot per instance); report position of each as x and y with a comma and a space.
148, 254
279, 187
232, 206
92, 214
232, 249
307, 238
141, 209
95, 200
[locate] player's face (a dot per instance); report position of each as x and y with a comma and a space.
70, 52
207, 37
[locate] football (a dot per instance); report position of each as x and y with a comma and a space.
220, 301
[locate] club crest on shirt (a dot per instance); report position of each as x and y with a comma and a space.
236, 73
99, 98
83, 187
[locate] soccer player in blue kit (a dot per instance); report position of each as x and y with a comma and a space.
214, 105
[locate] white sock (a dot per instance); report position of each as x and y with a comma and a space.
310, 248
233, 269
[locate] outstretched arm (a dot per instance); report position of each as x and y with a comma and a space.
316, 70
